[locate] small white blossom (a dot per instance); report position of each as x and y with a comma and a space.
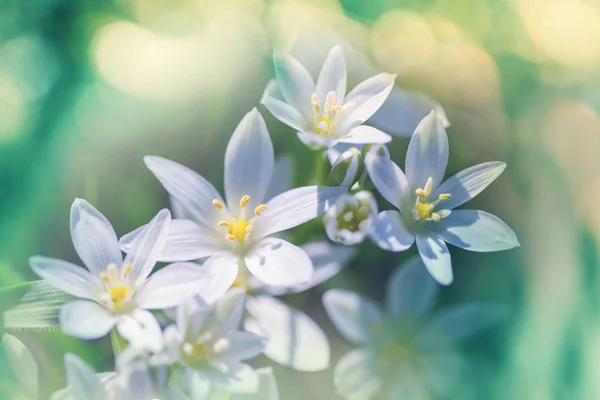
323, 114
426, 206
237, 233
207, 341
351, 218
23, 366
112, 291
403, 352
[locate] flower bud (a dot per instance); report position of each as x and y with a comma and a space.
350, 219
347, 169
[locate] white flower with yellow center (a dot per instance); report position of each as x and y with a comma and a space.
322, 114
236, 232
351, 218
426, 206
207, 341
113, 291
404, 351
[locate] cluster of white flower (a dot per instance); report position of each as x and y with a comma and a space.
188, 329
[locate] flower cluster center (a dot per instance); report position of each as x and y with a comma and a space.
352, 218
239, 229
327, 117
116, 284
424, 210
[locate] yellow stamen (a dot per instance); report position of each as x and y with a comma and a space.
118, 294
445, 196
224, 223
218, 204
435, 217
421, 193
104, 277
127, 270
244, 201
423, 210
260, 208
428, 186
230, 236
336, 109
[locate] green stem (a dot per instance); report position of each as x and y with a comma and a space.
320, 167
117, 342
21, 285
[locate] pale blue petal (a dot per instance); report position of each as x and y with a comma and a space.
476, 230
85, 319
469, 183
282, 179
427, 154
294, 339
141, 329
82, 380
366, 97
67, 277
245, 380
267, 387
461, 322
403, 110
317, 142
295, 83
411, 291
221, 270
293, 208
93, 237
277, 262
22, 364
190, 190
332, 76
285, 113
334, 152
249, 162
186, 241
242, 346
364, 134
388, 178
148, 246
355, 376
390, 233
436, 257
352, 314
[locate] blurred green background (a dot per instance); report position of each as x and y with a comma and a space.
89, 87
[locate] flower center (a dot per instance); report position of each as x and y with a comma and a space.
117, 285
352, 219
328, 117
424, 210
238, 229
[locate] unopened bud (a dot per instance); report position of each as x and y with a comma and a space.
347, 169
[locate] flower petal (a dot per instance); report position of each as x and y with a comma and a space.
85, 319
436, 257
411, 291
170, 285
352, 314
295, 83
282, 179
388, 178
277, 262
249, 162
332, 76
82, 380
316, 142
186, 241
403, 110
461, 322
364, 134
294, 339
67, 277
427, 154
367, 97
245, 381
189, 189
22, 364
141, 329
242, 346
355, 376
267, 387
272, 100
293, 208
93, 237
469, 183
148, 245
476, 230
390, 233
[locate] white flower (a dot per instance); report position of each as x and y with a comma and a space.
322, 114
113, 291
83, 383
23, 366
403, 352
236, 232
426, 205
351, 218
207, 341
